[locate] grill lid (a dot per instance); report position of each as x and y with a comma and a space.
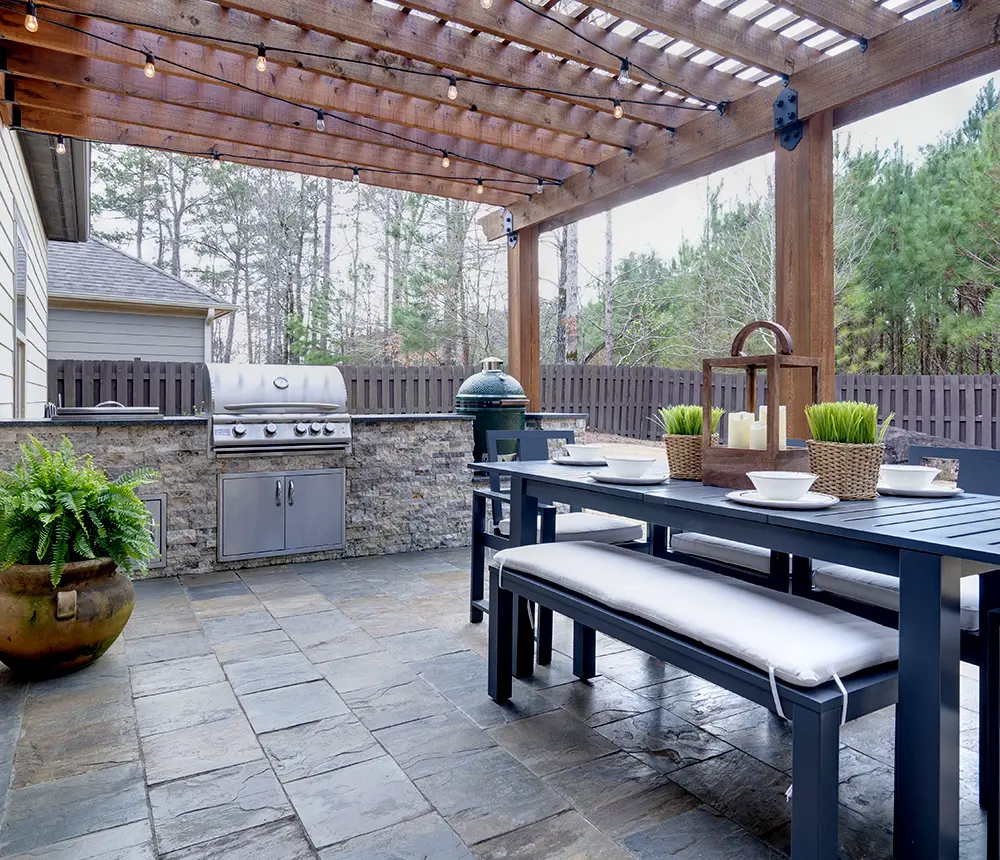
491, 386
249, 389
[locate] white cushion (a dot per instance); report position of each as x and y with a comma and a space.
882, 589
720, 549
804, 641
582, 526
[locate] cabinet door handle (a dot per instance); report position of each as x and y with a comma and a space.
277, 493
291, 493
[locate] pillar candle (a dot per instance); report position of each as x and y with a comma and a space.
758, 435
782, 425
739, 429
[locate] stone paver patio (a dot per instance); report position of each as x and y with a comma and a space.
339, 710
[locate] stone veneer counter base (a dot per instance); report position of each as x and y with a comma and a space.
407, 479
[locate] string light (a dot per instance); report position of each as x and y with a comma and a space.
216, 160
320, 121
150, 68
60, 145
30, 18
618, 111
540, 187
479, 186
356, 178
261, 63
452, 88
445, 161
486, 4
626, 68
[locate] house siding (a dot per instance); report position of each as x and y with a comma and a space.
19, 215
94, 335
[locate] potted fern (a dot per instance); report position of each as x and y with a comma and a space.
681, 427
846, 448
69, 539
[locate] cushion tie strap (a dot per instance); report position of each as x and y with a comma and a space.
774, 693
500, 573
843, 692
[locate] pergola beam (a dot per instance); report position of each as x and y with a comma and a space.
862, 18
306, 87
715, 29
229, 131
205, 19
109, 131
510, 20
278, 124
920, 48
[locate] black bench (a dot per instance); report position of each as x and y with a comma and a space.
816, 712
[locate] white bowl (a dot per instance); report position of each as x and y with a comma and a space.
584, 453
782, 486
629, 467
900, 477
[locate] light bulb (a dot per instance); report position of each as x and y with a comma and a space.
150, 68
60, 145
445, 161
626, 68
356, 178
261, 58
618, 111
540, 187
486, 4
479, 186
216, 161
30, 19
320, 121
452, 88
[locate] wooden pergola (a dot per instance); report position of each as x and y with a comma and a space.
596, 103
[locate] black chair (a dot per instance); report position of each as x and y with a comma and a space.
876, 596
493, 531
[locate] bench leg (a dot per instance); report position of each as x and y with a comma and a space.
815, 768
501, 641
657, 537
478, 567
989, 625
524, 640
544, 636
777, 577
801, 576
584, 651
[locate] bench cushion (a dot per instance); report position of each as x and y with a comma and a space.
882, 589
583, 526
804, 641
720, 549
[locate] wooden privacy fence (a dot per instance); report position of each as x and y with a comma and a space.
619, 400
176, 387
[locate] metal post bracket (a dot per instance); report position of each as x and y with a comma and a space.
786, 118
508, 228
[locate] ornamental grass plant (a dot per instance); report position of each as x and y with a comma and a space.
847, 422
685, 420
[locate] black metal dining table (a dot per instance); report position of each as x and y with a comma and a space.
929, 543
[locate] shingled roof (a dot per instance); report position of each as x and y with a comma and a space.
94, 271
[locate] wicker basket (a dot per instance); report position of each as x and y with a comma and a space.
684, 455
845, 471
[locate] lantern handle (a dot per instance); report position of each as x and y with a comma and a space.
783, 340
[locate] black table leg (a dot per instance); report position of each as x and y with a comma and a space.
499, 680
478, 567
989, 779
523, 531
989, 625
926, 797
815, 766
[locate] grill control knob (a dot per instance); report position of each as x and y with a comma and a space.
239, 431
300, 429
270, 428
315, 428
329, 428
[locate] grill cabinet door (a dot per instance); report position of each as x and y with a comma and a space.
314, 510
252, 520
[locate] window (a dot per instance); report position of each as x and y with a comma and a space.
20, 313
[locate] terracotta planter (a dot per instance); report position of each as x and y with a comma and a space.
48, 631
845, 471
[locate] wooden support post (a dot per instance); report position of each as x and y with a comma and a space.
803, 207
523, 338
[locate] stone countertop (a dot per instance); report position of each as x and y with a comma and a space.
167, 420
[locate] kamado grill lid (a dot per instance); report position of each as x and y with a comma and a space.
491, 386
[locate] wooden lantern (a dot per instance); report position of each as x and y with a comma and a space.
727, 467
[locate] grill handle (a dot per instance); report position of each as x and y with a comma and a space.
291, 492
282, 407
277, 493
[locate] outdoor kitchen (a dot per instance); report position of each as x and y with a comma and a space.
280, 470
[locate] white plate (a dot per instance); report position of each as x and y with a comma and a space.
566, 461
809, 502
605, 476
937, 490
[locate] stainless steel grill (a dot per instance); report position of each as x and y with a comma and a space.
270, 408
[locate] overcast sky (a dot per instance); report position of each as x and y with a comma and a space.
662, 220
